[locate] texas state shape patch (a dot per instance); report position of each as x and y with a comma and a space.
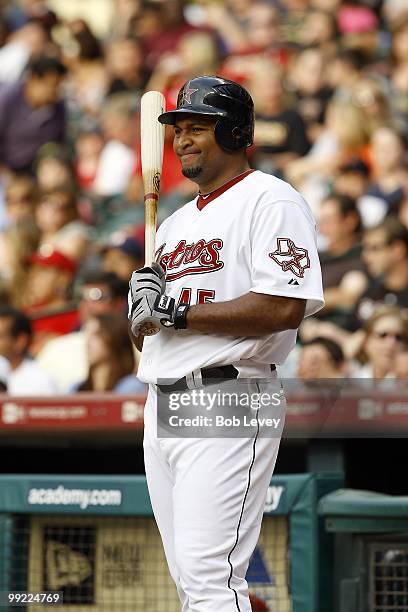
291, 257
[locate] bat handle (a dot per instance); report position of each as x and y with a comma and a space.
150, 202
150, 329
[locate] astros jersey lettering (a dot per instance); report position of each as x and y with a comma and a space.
257, 234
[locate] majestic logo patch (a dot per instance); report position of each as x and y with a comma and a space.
187, 93
197, 258
290, 257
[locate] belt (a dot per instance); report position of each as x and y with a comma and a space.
208, 377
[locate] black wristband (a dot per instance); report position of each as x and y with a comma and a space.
180, 317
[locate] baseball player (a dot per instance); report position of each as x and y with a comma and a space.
236, 271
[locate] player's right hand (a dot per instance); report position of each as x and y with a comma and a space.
146, 284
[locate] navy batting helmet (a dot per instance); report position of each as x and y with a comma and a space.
224, 99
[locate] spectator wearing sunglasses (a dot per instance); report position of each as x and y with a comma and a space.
386, 336
385, 254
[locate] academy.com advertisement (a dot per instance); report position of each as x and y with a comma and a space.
63, 495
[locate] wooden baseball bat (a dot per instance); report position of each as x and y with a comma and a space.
152, 145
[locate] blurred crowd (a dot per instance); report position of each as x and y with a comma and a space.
330, 83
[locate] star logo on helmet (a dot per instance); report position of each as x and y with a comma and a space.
187, 93
291, 257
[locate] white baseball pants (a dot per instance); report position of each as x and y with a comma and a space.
208, 497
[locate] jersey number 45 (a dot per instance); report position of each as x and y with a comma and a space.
203, 296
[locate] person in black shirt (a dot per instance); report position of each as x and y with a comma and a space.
280, 133
385, 252
31, 114
340, 225
311, 92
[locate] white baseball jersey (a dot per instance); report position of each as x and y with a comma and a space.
256, 234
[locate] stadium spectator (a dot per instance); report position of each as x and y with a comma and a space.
26, 377
319, 29
5, 370
358, 27
18, 242
47, 296
31, 114
385, 336
399, 71
394, 11
125, 14
259, 39
229, 21
385, 252
344, 71
370, 94
400, 40
342, 141
403, 209
88, 149
87, 79
389, 173
27, 43
19, 14
321, 358
50, 276
340, 225
110, 357
280, 134
53, 169
196, 53
401, 366
20, 199
263, 32
57, 220
295, 15
351, 179
310, 89
122, 257
125, 65
118, 157
100, 293
64, 357
385, 249
160, 26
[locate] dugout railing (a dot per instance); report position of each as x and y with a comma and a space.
371, 550
94, 539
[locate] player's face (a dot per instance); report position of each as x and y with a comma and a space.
202, 159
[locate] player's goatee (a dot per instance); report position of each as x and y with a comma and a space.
192, 173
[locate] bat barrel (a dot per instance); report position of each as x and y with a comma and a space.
152, 145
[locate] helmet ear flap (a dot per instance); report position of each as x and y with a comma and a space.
229, 136
237, 135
